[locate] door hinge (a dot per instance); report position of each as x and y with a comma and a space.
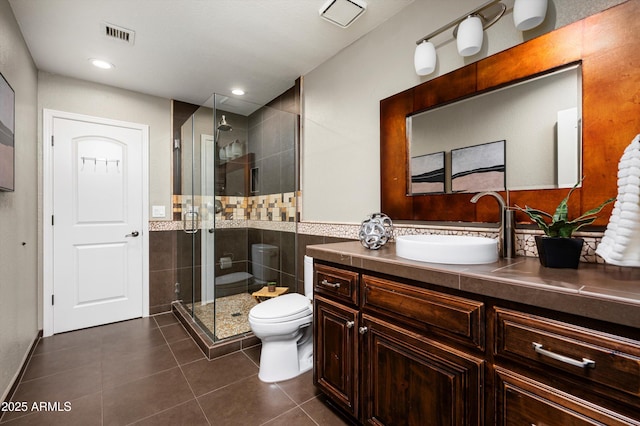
52, 300
51, 140
52, 221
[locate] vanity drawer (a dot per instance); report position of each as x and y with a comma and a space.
602, 358
522, 401
339, 283
439, 313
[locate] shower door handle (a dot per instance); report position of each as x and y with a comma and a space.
192, 217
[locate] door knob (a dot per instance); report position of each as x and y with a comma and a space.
133, 234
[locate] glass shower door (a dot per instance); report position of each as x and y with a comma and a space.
196, 245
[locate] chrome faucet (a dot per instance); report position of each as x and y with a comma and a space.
507, 231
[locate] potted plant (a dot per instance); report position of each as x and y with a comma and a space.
557, 248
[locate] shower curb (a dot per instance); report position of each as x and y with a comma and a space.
211, 349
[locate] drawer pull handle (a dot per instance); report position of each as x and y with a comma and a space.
363, 330
328, 284
350, 324
585, 363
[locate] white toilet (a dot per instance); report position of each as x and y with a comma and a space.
284, 324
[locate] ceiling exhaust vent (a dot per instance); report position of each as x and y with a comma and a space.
115, 32
342, 12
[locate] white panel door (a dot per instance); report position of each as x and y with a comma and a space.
97, 223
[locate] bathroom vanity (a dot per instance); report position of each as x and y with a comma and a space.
508, 343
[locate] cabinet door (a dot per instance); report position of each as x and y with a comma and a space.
522, 401
412, 380
335, 351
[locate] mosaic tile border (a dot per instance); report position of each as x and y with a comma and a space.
279, 212
525, 242
270, 207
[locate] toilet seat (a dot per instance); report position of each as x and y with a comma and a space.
288, 307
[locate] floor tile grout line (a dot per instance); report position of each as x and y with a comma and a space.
286, 412
68, 370
185, 376
165, 409
226, 386
250, 359
160, 412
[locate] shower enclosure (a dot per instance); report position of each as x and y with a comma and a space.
239, 181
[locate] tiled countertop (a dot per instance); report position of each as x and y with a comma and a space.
603, 292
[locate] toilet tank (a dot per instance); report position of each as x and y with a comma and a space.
265, 262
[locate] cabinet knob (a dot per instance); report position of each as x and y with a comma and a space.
363, 330
350, 324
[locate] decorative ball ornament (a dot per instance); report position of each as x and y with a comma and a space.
376, 230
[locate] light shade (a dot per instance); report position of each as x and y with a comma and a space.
528, 14
424, 58
470, 35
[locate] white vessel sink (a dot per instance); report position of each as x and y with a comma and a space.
454, 249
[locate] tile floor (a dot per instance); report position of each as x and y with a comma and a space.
150, 372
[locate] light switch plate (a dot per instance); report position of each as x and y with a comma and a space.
158, 211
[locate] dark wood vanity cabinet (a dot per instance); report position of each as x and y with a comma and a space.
409, 379
555, 372
393, 351
524, 401
335, 353
383, 371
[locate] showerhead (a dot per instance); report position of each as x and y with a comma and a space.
223, 125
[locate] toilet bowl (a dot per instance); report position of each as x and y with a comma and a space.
284, 325
233, 283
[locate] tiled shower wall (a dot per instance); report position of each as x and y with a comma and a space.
266, 215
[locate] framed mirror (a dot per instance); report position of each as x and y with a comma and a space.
526, 135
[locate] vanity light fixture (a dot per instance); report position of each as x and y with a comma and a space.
470, 36
102, 64
424, 59
528, 14
469, 29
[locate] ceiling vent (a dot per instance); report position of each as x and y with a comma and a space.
342, 12
115, 32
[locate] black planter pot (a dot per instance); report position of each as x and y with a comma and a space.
559, 252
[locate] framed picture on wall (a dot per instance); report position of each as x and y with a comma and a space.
7, 144
478, 168
427, 174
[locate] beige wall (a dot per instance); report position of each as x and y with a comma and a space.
18, 210
341, 127
83, 97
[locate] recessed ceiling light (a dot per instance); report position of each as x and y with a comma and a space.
238, 92
102, 64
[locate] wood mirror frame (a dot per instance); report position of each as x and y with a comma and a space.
606, 44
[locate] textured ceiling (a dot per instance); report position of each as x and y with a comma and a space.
189, 49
